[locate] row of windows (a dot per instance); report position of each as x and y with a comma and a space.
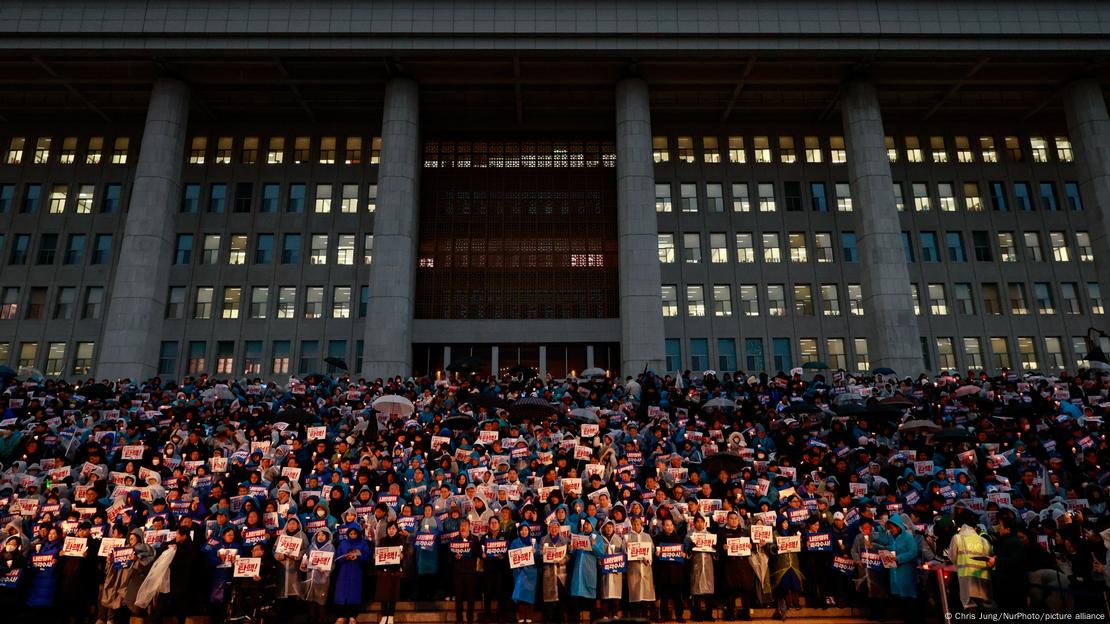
975, 353
52, 360
39, 306
62, 198
65, 151
825, 299
75, 252
213, 251
943, 197
1061, 246
262, 302
816, 149
343, 198
328, 150
278, 361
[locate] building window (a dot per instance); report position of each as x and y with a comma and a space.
973, 353
745, 248
776, 300
270, 193
1013, 148
837, 153
689, 197
211, 252
830, 300
313, 302
891, 149
797, 242
916, 296
945, 197
786, 150
363, 303
813, 149
835, 353
349, 202
32, 193
992, 299
1027, 353
237, 252
244, 196
248, 155
260, 300
666, 248
1042, 293
749, 299
223, 150
66, 302
691, 248
15, 151
353, 154
1094, 298
987, 150
946, 354
792, 196
217, 198
761, 148
965, 303
94, 302
42, 151
7, 193
345, 249
1054, 352
1071, 190
287, 302
662, 198
1033, 249
20, 246
225, 357
375, 150
341, 302
167, 358
699, 354
920, 197
1063, 149
1007, 252
1018, 303
741, 201
1059, 242
714, 198
1038, 146
771, 251
275, 154
718, 248
686, 149
736, 152
48, 248
203, 308
938, 303
175, 303
670, 300
673, 349
973, 202
855, 299
848, 247
190, 199
929, 251
722, 300
1022, 197
1069, 298
899, 198
291, 249
695, 300
955, 243
232, 298
766, 192
753, 354
196, 152
296, 198
279, 357
998, 197
820, 202
252, 357
367, 248
1048, 196
863, 360
319, 249
82, 358
726, 354
937, 149
196, 363
75, 249
659, 151
323, 199
264, 249
913, 150
780, 348
58, 198
822, 247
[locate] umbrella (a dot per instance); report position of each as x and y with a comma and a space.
882, 412
294, 416
963, 391
592, 372
96, 391
845, 398
728, 461
801, 408
337, 362
883, 370
394, 405
219, 391
897, 400
719, 403
953, 434
524, 372
918, 425
458, 423
584, 415
488, 401
849, 409
7, 371
469, 364
816, 365
531, 407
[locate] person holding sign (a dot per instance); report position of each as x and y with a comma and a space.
350, 561
701, 546
524, 576
903, 585
738, 577
583, 568
43, 576
786, 570
610, 588
816, 561
495, 571
388, 585
553, 549
288, 547
251, 594
670, 570
78, 572
425, 543
13, 565
318, 578
639, 573
465, 551
872, 576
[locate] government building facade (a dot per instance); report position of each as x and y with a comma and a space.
245, 189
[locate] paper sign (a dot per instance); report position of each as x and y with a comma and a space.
589, 430
247, 567
316, 433
889, 558
819, 542
704, 542
495, 548
583, 452
320, 560
857, 489
108, 544
425, 541
923, 468
639, 551
487, 438
761, 534
579, 542
388, 555
75, 546
43, 562
738, 547
132, 452
789, 543
613, 564
522, 557
288, 545
670, 552
554, 554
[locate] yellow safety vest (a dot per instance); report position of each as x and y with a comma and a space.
967, 547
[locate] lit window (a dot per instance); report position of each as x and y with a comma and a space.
85, 199
249, 153
749, 299
761, 147
938, 150
813, 149
938, 303
822, 247
987, 149
1094, 297
691, 248
946, 354
973, 353
722, 300
741, 202
946, 197
58, 198
42, 151
714, 198
203, 308
662, 198
327, 151
1083, 247
83, 358
913, 150
863, 360
963, 150
899, 198
1007, 252
232, 297
69, 151
1013, 148
223, 150
349, 202
1027, 353
766, 197
1038, 146
920, 196
55, 358
689, 197
659, 149
695, 300
1063, 149
313, 302
372, 198
837, 153
275, 154
119, 150
797, 242
211, 253
353, 154
736, 152
670, 300
237, 253
576, 260
341, 302
916, 299
319, 249
786, 150
345, 249
95, 151
830, 300
323, 199
367, 248
710, 150
287, 301
776, 300
745, 251
1018, 303
771, 252
1059, 242
15, 151
972, 200
1054, 352
196, 152
891, 149
843, 197
375, 150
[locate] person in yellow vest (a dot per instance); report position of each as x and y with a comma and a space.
974, 558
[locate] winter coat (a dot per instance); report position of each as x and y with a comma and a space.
902, 580
388, 585
639, 574
427, 561
583, 568
290, 583
13, 597
43, 582
736, 572
349, 572
669, 573
610, 587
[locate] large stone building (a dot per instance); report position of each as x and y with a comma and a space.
250, 187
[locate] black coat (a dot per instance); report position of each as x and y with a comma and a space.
736, 572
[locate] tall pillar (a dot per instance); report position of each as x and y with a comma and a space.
133, 326
1089, 129
887, 299
393, 273
641, 309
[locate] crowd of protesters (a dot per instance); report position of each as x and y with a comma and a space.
549, 500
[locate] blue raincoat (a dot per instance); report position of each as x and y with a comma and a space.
524, 579
348, 572
902, 582
583, 568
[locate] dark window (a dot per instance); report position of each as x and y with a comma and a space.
48, 248
1022, 198
264, 251
190, 200
296, 198
20, 247
31, 196
102, 252
110, 202
270, 194
7, 192
848, 246
820, 201
291, 249
792, 196
244, 193
1048, 196
1071, 189
75, 249
998, 197
907, 246
981, 240
955, 243
217, 198
184, 252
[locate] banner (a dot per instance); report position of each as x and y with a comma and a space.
123, 558
425, 541
613, 564
43, 562
871, 560
495, 548
10, 580
738, 547
388, 555
670, 552
843, 564
821, 542
522, 557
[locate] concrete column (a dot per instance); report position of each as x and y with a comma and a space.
589, 356
136, 306
543, 361
494, 360
637, 233
887, 300
1089, 129
393, 272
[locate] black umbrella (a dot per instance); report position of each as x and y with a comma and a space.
850, 409
524, 372
953, 434
897, 400
801, 408
469, 364
727, 461
531, 407
336, 362
883, 370
458, 423
882, 412
294, 416
7, 372
488, 401
96, 391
